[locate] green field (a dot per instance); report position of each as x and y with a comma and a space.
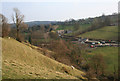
110, 55
71, 27
21, 61
64, 27
82, 28
108, 32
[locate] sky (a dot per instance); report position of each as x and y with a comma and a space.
58, 10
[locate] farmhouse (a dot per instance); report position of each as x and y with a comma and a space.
83, 40
61, 32
68, 31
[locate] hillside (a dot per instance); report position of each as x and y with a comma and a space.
106, 33
110, 55
21, 61
71, 27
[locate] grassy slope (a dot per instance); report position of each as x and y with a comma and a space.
21, 61
61, 27
82, 28
109, 32
110, 55
71, 27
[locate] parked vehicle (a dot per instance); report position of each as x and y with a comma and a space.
108, 41
92, 46
93, 43
103, 42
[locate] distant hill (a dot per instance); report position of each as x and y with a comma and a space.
33, 23
21, 61
40, 22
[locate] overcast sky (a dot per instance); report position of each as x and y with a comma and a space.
53, 10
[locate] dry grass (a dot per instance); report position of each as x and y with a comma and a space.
21, 61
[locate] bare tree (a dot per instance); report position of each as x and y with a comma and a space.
5, 27
18, 21
0, 25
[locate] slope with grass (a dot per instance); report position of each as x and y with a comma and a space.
82, 27
21, 61
110, 55
106, 33
64, 27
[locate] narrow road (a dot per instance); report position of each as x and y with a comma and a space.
90, 41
